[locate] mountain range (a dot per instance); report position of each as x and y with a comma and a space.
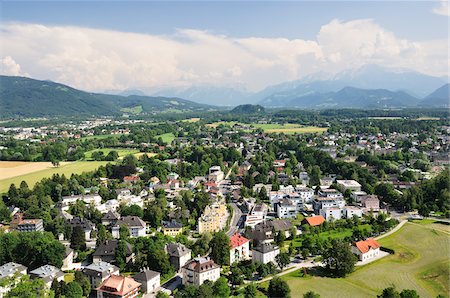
25, 97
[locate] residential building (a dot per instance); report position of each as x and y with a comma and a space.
98, 272
48, 273
256, 215
215, 174
150, 280
106, 252
350, 211
172, 228
265, 232
240, 250
135, 225
68, 259
314, 221
323, 202
110, 218
331, 213
214, 218
265, 253
84, 224
10, 270
358, 195
286, 208
366, 249
371, 202
26, 225
118, 286
179, 254
351, 185
93, 199
330, 193
198, 270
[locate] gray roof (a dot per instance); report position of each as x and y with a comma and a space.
102, 269
111, 215
10, 268
85, 224
131, 221
265, 248
47, 272
146, 275
173, 224
177, 249
108, 248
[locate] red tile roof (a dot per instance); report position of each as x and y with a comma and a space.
237, 240
119, 285
365, 246
315, 220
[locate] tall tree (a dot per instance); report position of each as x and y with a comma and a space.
220, 248
278, 288
339, 259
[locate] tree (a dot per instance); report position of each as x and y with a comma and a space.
311, 294
78, 239
339, 259
55, 163
389, 292
83, 281
121, 254
221, 288
315, 176
278, 288
205, 290
133, 210
250, 291
30, 288
220, 248
73, 290
124, 232
407, 293
282, 259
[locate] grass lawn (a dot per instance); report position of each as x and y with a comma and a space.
167, 137
101, 136
191, 120
133, 110
68, 169
288, 128
420, 262
122, 152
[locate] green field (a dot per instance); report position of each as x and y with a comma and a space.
421, 262
76, 167
167, 137
122, 152
101, 136
133, 110
288, 128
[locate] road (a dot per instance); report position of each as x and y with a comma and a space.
236, 219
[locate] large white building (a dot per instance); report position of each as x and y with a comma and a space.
215, 174
198, 270
256, 215
331, 213
265, 253
348, 185
135, 225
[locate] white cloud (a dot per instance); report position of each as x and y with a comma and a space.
97, 60
10, 67
442, 9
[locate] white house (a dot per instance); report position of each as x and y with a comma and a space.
198, 270
256, 215
150, 280
350, 211
331, 213
135, 225
286, 208
348, 184
265, 253
240, 249
367, 249
9, 270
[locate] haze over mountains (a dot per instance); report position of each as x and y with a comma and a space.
370, 87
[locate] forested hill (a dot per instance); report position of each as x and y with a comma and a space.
25, 97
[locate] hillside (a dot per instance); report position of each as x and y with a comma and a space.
247, 109
349, 97
438, 98
25, 97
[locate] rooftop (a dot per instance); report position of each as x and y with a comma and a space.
365, 245
237, 240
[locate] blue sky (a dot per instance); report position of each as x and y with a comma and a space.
149, 45
293, 19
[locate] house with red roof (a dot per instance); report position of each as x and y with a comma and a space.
118, 286
131, 179
314, 220
366, 249
240, 249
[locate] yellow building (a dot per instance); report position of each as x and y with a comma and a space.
172, 228
214, 218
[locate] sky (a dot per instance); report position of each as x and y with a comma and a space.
147, 45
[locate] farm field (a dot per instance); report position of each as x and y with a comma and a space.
167, 137
9, 169
31, 177
288, 128
101, 136
191, 120
122, 152
420, 262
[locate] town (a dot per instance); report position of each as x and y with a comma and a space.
208, 208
